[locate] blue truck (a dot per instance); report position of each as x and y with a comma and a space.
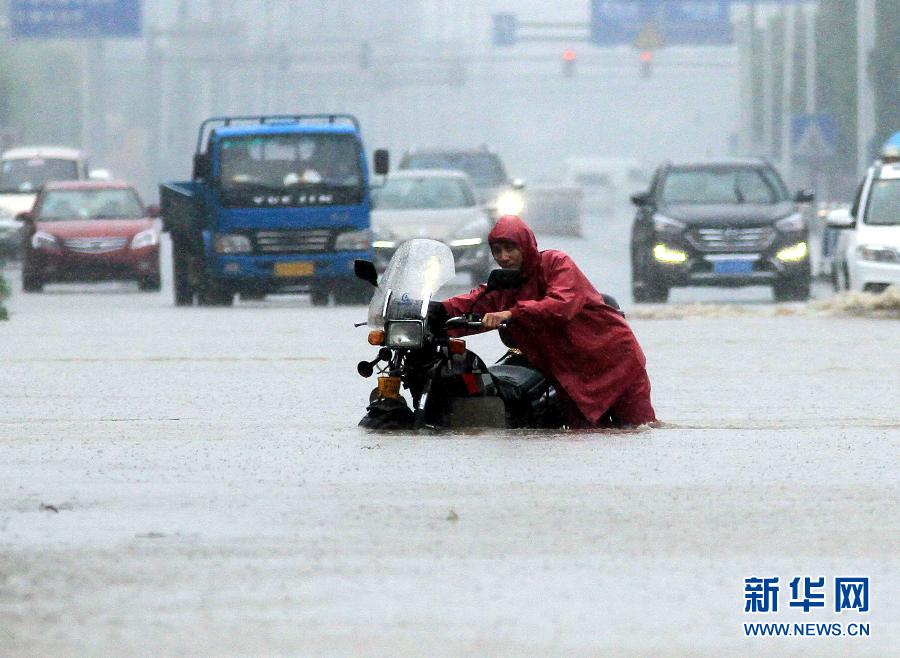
275, 204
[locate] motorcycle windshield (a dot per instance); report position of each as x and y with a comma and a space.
417, 270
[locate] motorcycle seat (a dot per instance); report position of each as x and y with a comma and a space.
517, 382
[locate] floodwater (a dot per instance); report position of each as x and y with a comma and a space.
192, 481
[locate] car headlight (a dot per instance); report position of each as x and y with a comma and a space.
877, 253
666, 254
148, 238
353, 241
791, 223
510, 202
795, 252
42, 240
663, 224
472, 234
406, 334
233, 243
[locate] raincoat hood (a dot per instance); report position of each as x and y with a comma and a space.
510, 228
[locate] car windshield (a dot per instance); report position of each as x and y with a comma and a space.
416, 272
884, 203
722, 185
28, 174
289, 162
58, 205
426, 193
484, 169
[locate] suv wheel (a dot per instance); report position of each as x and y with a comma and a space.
645, 288
791, 290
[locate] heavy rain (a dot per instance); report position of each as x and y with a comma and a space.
218, 438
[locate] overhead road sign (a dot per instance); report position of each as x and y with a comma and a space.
74, 19
814, 136
678, 22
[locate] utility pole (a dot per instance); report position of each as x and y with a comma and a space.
768, 83
787, 153
865, 94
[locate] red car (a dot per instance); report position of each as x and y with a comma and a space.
90, 231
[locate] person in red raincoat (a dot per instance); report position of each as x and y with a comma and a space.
564, 328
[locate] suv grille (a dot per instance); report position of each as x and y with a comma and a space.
99, 245
732, 238
284, 242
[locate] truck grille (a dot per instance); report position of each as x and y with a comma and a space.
292, 242
95, 245
732, 238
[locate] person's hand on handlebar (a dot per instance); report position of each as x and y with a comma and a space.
493, 320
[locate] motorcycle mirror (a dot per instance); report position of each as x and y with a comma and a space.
365, 270
365, 368
504, 279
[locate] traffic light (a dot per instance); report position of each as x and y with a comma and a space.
568, 63
646, 63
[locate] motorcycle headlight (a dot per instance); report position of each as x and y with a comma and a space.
233, 243
877, 253
406, 334
146, 238
472, 234
791, 223
510, 202
353, 241
42, 240
663, 224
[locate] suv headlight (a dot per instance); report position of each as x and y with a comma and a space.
472, 234
877, 253
42, 240
663, 224
407, 334
791, 223
353, 241
233, 243
510, 202
146, 238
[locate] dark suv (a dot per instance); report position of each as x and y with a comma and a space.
498, 194
725, 222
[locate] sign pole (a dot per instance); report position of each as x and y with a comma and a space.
787, 109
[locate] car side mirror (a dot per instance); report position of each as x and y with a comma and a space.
804, 196
501, 279
518, 183
839, 218
641, 198
382, 161
202, 167
26, 216
153, 210
365, 270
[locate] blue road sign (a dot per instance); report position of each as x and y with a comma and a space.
679, 22
505, 26
75, 19
814, 136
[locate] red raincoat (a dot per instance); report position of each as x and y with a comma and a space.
565, 329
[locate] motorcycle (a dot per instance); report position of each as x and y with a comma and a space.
449, 385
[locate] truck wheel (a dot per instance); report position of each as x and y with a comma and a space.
152, 284
184, 293
319, 296
215, 295
32, 284
353, 293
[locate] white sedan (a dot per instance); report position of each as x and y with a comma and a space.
432, 203
867, 255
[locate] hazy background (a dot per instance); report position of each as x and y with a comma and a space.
423, 72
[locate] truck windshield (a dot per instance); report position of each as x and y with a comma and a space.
28, 174
290, 163
483, 168
723, 185
884, 203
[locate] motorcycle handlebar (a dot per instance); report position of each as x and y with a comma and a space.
461, 322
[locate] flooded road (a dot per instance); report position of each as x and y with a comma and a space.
192, 481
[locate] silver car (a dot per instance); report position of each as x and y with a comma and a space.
432, 203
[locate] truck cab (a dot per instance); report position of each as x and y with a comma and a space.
275, 204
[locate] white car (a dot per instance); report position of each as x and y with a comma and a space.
432, 203
867, 255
